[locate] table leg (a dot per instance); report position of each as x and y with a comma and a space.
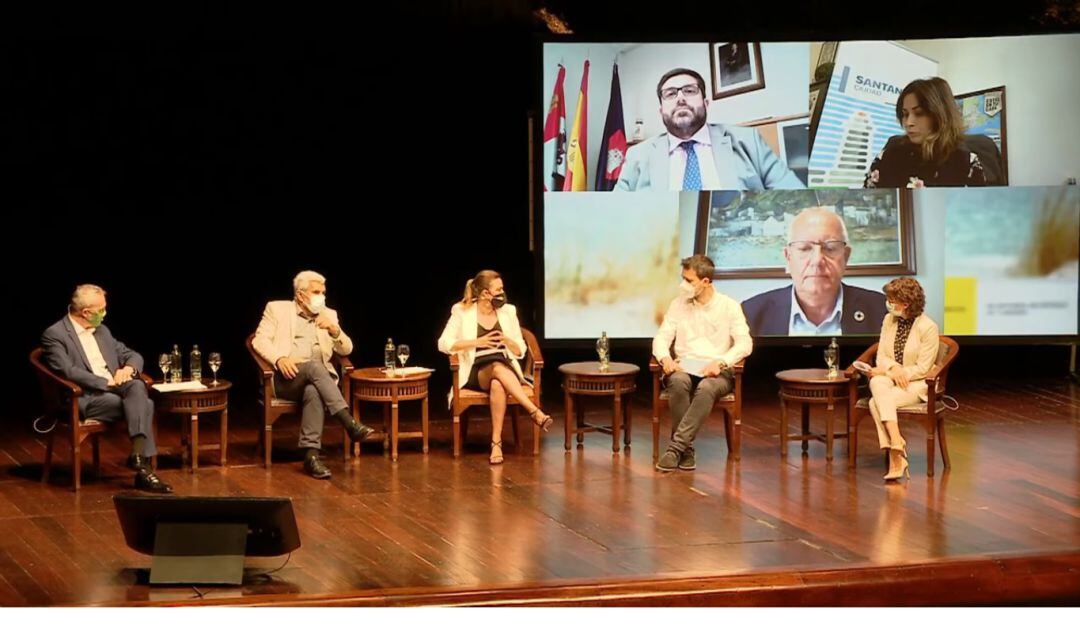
224, 435
805, 427
829, 413
628, 421
185, 439
616, 423
783, 427
580, 420
393, 431
424, 421
569, 401
356, 416
194, 442
387, 426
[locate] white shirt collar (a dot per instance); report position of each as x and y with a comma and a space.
797, 315
713, 301
701, 137
79, 329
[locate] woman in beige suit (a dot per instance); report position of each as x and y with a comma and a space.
906, 352
483, 331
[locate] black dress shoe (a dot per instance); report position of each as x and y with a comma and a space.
358, 431
146, 479
316, 468
135, 462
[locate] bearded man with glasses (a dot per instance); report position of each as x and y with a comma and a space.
694, 156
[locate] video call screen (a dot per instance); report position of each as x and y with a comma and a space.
812, 174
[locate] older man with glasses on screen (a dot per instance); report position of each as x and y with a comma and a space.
695, 156
817, 302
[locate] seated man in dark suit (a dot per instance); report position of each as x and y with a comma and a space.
817, 302
80, 348
692, 155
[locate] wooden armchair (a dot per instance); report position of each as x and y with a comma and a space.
61, 397
274, 407
463, 399
730, 403
933, 420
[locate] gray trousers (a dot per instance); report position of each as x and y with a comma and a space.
316, 389
128, 402
691, 400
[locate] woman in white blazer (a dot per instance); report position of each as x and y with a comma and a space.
907, 350
484, 333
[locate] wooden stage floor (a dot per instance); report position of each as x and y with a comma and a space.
587, 527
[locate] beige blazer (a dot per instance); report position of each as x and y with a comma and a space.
920, 352
274, 337
462, 326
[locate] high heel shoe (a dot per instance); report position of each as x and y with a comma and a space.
545, 423
900, 472
494, 459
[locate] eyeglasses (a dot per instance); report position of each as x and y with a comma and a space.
831, 248
689, 91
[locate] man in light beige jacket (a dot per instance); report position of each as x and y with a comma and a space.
299, 336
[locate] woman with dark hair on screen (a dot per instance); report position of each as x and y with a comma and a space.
907, 350
933, 150
484, 333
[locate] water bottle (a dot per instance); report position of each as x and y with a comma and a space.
832, 354
389, 353
196, 364
603, 349
176, 371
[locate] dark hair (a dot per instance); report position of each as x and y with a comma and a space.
908, 291
701, 265
935, 96
674, 72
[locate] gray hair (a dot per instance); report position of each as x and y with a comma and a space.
304, 279
818, 209
81, 298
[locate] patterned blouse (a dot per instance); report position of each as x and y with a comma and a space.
903, 330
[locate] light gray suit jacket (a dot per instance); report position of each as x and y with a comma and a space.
744, 162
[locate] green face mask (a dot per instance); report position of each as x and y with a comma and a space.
97, 318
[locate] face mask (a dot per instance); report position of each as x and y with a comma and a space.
498, 301
97, 318
892, 310
316, 303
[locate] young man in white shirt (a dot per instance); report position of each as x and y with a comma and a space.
710, 336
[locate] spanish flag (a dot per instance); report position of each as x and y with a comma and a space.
576, 178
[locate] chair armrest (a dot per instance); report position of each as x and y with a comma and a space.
49, 376
454, 364
345, 365
66, 384
867, 357
265, 368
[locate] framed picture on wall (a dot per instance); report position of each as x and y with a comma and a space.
736, 68
745, 233
984, 117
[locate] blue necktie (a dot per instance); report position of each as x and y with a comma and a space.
692, 176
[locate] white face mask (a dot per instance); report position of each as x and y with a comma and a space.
686, 288
316, 303
893, 310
